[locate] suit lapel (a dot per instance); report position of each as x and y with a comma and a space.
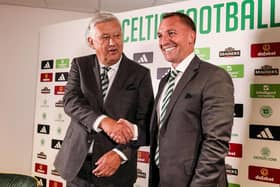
187, 76
120, 78
96, 72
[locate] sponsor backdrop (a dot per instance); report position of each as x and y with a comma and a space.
241, 36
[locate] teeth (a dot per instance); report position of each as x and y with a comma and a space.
169, 49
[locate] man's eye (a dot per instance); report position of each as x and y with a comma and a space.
171, 33
105, 37
159, 35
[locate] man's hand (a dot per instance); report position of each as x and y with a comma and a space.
121, 132
107, 165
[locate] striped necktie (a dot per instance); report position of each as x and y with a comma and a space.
166, 98
104, 80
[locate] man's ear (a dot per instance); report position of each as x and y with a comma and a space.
90, 42
192, 37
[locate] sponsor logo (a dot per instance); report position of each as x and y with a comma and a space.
59, 103
265, 90
61, 76
42, 155
42, 182
265, 111
59, 90
235, 71
59, 117
53, 183
264, 132
62, 63
203, 53
265, 153
143, 156
235, 150
45, 104
264, 174
42, 142
238, 110
267, 70
47, 64
45, 90
230, 170
229, 52
161, 72
55, 172
233, 185
41, 168
43, 129
143, 58
56, 144
141, 174
46, 77
265, 49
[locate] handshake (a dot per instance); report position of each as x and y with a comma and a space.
121, 131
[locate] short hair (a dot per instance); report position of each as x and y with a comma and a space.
183, 17
100, 17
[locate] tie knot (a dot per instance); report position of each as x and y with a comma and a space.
106, 69
174, 73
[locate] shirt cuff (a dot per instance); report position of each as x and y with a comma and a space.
121, 154
135, 132
97, 123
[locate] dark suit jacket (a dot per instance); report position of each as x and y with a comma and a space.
130, 97
196, 129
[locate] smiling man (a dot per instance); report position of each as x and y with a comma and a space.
193, 113
109, 100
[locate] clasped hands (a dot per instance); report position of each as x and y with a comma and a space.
120, 131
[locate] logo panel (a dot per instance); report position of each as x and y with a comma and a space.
270, 175
238, 110
264, 132
47, 64
235, 150
265, 90
61, 76
46, 77
265, 49
266, 70
143, 58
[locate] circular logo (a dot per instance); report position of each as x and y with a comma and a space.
264, 172
265, 152
266, 111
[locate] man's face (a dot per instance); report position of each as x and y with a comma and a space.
107, 41
176, 39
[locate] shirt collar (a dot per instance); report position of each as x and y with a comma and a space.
115, 66
185, 63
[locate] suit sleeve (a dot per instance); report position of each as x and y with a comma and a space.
216, 123
75, 103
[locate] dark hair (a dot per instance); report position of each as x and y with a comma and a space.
184, 18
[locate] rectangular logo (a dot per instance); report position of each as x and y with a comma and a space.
53, 183
265, 90
235, 70
143, 156
47, 64
238, 110
61, 76
203, 53
43, 129
41, 168
62, 63
265, 49
143, 58
45, 90
235, 150
266, 70
230, 170
161, 72
56, 144
59, 90
233, 185
264, 132
264, 174
46, 77
229, 52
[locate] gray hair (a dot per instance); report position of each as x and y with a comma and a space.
99, 18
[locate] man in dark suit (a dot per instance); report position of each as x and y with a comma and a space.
193, 113
109, 99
